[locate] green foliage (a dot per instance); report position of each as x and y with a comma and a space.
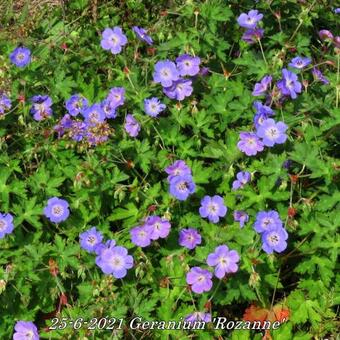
116, 185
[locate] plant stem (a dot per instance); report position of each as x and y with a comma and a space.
264, 57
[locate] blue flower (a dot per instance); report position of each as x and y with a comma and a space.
142, 35
21, 56
182, 186
76, 104
153, 107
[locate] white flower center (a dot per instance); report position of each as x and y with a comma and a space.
57, 210
266, 222
114, 39
20, 56
251, 141
165, 72
289, 84
212, 208
142, 233
224, 261
182, 186
273, 239
40, 107
29, 335
201, 278
3, 225
272, 133
91, 240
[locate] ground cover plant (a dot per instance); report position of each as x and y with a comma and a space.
171, 161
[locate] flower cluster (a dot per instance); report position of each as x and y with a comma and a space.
153, 228
249, 21
170, 75
268, 132
111, 259
223, 260
180, 180
94, 127
274, 235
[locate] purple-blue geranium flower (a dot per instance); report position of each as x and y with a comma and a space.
337, 10
157, 227
115, 261
267, 220
64, 124
41, 107
317, 74
57, 210
179, 168
116, 96
179, 90
289, 84
299, 62
94, 114
198, 316
241, 216
102, 247
263, 112
165, 73
25, 330
153, 107
113, 40
5, 103
6, 224
224, 261
21, 56
78, 130
261, 87
249, 20
182, 186
252, 35
90, 239
213, 208
142, 35
199, 279
274, 240
132, 127
189, 238
108, 108
272, 132
76, 104
243, 177
140, 236
188, 65
249, 143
